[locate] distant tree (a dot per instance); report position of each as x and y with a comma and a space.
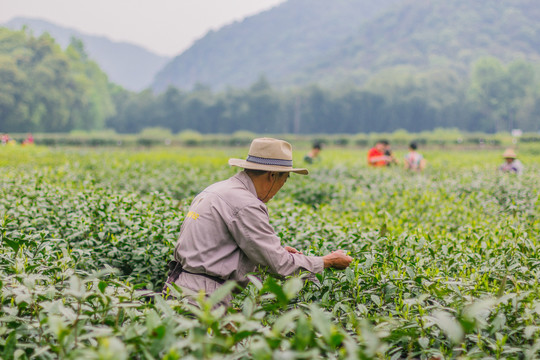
524, 90
95, 105
45, 89
139, 111
312, 111
262, 107
169, 110
499, 91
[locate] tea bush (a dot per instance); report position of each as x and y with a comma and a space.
446, 262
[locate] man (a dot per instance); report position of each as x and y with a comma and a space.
226, 234
376, 155
511, 163
313, 154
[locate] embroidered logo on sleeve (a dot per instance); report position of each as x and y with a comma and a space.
192, 215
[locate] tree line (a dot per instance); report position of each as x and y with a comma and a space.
46, 89
496, 97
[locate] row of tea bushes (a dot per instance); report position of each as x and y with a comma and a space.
195, 139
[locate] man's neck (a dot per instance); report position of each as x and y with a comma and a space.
259, 184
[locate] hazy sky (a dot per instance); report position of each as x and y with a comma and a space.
166, 27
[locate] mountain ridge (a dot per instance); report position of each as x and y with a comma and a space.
304, 42
417, 46
281, 33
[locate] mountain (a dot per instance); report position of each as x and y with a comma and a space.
274, 43
435, 34
318, 41
128, 65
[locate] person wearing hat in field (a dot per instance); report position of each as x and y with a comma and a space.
227, 234
314, 153
511, 162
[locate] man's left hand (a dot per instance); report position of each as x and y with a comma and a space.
292, 250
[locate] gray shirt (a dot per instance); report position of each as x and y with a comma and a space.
227, 234
515, 167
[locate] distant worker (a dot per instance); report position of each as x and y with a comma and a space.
8, 140
414, 160
376, 156
29, 140
511, 164
227, 233
4, 138
314, 153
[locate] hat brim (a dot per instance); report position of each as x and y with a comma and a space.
254, 166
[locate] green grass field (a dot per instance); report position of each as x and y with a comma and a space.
446, 262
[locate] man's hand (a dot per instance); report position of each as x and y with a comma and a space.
337, 259
292, 250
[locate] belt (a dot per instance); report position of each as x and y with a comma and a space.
175, 269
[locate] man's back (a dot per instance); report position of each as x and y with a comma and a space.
205, 244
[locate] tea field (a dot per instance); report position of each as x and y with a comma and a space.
446, 263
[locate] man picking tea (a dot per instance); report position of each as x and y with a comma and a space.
226, 234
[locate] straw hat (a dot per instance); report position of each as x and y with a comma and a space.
269, 155
509, 154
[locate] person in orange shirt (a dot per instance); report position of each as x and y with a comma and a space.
376, 156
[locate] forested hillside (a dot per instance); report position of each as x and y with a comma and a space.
315, 41
43, 88
128, 65
436, 34
277, 43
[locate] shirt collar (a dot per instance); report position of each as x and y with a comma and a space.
248, 183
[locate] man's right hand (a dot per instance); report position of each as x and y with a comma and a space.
337, 259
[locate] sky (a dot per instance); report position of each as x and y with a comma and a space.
166, 27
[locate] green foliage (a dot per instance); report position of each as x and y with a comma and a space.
159, 137
45, 89
190, 137
157, 131
96, 102
446, 262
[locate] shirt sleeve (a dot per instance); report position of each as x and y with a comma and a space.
255, 236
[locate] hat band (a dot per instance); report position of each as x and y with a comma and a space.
266, 161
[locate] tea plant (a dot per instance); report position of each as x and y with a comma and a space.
446, 262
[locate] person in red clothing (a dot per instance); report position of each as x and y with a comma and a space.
376, 156
29, 140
